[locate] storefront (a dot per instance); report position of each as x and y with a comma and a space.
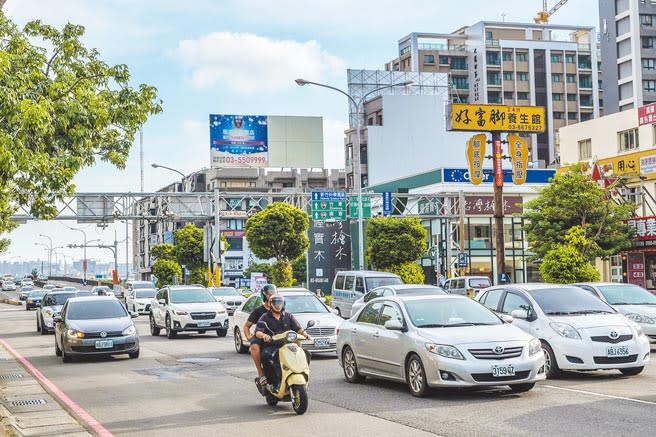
639, 262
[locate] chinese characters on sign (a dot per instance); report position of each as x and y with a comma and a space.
647, 114
644, 227
475, 157
636, 268
648, 164
518, 148
328, 205
239, 140
496, 118
329, 252
484, 205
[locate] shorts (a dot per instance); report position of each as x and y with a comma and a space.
257, 341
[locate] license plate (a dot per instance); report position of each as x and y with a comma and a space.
104, 344
505, 370
321, 342
617, 351
203, 324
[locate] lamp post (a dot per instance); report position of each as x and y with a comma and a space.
153, 165
357, 172
84, 262
49, 254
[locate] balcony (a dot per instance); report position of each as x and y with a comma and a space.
584, 47
442, 47
492, 42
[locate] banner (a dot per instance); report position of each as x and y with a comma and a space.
519, 155
475, 157
239, 140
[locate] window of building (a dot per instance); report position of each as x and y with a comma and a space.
572, 116
571, 97
627, 140
488, 34
585, 149
494, 97
621, 6
649, 63
507, 75
585, 81
569, 59
458, 63
522, 95
556, 59
493, 78
444, 60
507, 56
571, 78
492, 58
585, 116
557, 97
585, 100
508, 95
429, 59
649, 85
646, 19
460, 83
521, 57
555, 77
235, 243
522, 76
585, 62
558, 115
647, 42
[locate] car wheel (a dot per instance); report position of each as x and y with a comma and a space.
351, 366
300, 402
154, 330
66, 358
522, 388
134, 355
38, 325
58, 351
632, 371
416, 377
43, 328
170, 333
551, 368
239, 344
221, 332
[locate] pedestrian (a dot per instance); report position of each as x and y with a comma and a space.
442, 280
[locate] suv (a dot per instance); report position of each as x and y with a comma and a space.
352, 285
136, 285
187, 308
466, 285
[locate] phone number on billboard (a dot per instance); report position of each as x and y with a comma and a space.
241, 159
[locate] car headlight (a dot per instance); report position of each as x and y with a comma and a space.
534, 346
48, 312
75, 333
221, 312
565, 330
130, 330
444, 350
180, 313
30, 302
639, 318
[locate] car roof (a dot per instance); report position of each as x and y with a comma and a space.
532, 286
411, 297
296, 292
369, 273
62, 291
293, 290
594, 284
408, 286
186, 287
92, 299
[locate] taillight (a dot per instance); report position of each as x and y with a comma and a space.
337, 331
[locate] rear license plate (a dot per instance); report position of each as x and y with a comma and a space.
104, 344
321, 342
617, 351
203, 324
503, 370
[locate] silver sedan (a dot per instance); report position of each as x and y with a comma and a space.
437, 341
395, 290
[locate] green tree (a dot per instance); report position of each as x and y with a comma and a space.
572, 199
258, 268
165, 270
62, 109
278, 231
163, 251
566, 263
299, 269
395, 241
410, 272
189, 246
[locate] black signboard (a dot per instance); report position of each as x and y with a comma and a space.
330, 252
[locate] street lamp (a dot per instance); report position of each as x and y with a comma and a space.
49, 254
84, 262
357, 172
153, 165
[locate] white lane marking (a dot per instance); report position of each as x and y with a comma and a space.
601, 395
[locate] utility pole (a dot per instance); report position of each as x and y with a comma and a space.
499, 243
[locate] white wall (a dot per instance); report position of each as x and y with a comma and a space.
295, 141
413, 139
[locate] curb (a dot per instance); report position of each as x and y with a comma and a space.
11, 302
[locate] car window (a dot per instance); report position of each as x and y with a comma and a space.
389, 312
588, 289
339, 282
492, 298
359, 284
191, 295
387, 292
479, 282
99, 309
461, 283
568, 300
348, 282
369, 296
627, 294
249, 306
370, 313
304, 303
513, 302
160, 295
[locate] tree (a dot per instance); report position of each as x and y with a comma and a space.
395, 241
163, 251
566, 263
258, 268
572, 199
410, 272
62, 109
165, 270
299, 269
189, 246
278, 231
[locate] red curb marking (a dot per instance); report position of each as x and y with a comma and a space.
79, 411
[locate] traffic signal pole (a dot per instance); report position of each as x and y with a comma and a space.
498, 203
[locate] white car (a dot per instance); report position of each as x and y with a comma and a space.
8, 286
229, 297
395, 290
26, 282
184, 308
51, 304
634, 302
139, 300
578, 331
305, 306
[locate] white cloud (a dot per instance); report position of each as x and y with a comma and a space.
249, 63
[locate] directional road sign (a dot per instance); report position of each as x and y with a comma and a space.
366, 206
328, 205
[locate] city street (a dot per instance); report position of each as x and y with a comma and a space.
198, 385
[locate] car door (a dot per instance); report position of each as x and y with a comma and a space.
349, 282
514, 300
241, 314
362, 333
159, 308
61, 327
388, 352
492, 299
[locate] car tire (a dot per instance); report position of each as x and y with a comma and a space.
58, 352
221, 332
154, 330
551, 368
239, 343
27, 308
301, 401
66, 358
38, 326
134, 355
350, 366
170, 333
522, 388
416, 377
632, 371
43, 327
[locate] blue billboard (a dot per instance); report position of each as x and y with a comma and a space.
533, 176
239, 140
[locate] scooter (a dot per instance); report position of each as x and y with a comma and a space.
294, 374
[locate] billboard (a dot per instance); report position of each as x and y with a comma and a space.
239, 140
329, 253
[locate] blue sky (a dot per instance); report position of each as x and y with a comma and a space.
241, 56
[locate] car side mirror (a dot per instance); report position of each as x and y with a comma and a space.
57, 319
520, 314
162, 301
134, 315
508, 318
334, 311
393, 325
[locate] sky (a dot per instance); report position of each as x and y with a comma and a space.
240, 57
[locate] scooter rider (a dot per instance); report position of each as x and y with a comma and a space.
276, 321
256, 344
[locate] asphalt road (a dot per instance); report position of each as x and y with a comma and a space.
198, 385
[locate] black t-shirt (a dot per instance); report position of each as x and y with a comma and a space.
286, 322
256, 314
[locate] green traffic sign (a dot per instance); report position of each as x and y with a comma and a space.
328, 210
366, 206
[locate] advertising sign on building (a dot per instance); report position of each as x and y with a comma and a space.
501, 118
475, 157
239, 140
518, 147
329, 252
461, 175
644, 227
636, 268
647, 114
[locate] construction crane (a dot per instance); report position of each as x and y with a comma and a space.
543, 16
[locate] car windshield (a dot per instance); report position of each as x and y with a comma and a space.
145, 294
379, 282
34, 294
627, 294
479, 283
83, 293
97, 289
448, 312
61, 298
304, 304
95, 309
191, 295
568, 301
28, 288
417, 290
138, 285
69, 289
225, 291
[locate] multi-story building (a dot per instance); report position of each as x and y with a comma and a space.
627, 30
549, 65
242, 191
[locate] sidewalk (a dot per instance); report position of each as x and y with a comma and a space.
26, 409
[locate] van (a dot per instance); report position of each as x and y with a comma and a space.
350, 286
466, 285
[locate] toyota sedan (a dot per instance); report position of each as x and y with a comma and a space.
437, 341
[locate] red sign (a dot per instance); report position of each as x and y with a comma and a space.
636, 268
644, 227
647, 114
233, 234
498, 163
